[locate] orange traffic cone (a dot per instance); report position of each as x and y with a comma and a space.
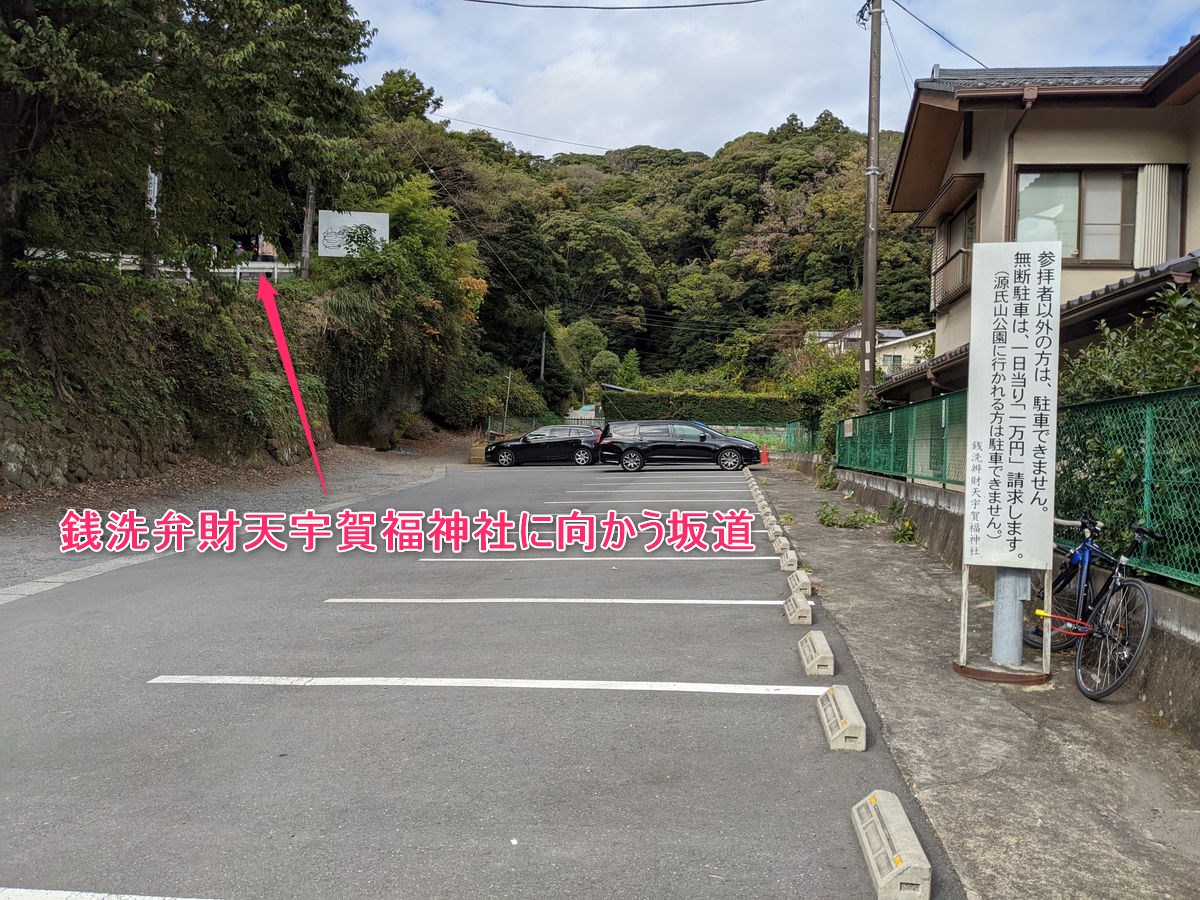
766, 457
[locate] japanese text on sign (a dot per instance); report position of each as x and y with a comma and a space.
1012, 404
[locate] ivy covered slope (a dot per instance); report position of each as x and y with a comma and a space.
657, 269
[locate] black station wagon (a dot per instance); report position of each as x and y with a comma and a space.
550, 444
633, 445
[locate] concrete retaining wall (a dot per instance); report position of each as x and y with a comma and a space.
1168, 678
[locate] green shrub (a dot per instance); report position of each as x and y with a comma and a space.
720, 408
831, 517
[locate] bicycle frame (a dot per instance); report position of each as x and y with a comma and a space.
1080, 561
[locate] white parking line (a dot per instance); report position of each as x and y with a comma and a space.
687, 687
550, 600
36, 894
715, 479
669, 490
675, 557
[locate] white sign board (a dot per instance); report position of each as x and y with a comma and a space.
1012, 405
333, 226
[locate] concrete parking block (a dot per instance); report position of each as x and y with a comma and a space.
798, 610
799, 583
773, 530
843, 723
815, 655
789, 561
898, 865
781, 544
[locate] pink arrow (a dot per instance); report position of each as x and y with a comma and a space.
266, 293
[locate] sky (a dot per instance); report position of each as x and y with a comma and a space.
695, 79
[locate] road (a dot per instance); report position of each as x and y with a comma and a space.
636, 754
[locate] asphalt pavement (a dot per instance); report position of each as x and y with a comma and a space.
506, 724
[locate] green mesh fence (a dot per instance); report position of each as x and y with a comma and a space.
802, 437
1125, 461
1136, 460
924, 441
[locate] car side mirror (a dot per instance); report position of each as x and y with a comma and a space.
703, 437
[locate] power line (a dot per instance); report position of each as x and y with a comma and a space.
540, 137
588, 6
908, 79
938, 33
495, 255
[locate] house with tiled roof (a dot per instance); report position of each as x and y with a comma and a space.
1105, 159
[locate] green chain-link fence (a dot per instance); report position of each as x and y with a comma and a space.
802, 437
1124, 461
1131, 460
924, 441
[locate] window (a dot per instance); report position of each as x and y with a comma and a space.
1090, 210
952, 278
656, 432
1175, 213
962, 230
689, 433
892, 363
542, 434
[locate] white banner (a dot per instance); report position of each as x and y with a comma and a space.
1012, 405
332, 228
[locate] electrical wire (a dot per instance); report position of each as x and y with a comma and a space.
540, 137
938, 33
908, 79
495, 255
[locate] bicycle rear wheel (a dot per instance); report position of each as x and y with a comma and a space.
1108, 655
1066, 591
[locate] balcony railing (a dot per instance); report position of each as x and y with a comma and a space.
951, 279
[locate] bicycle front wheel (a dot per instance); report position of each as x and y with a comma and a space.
1106, 657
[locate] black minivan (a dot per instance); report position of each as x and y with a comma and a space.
634, 444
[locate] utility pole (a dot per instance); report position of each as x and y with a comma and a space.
310, 205
542, 375
866, 373
507, 393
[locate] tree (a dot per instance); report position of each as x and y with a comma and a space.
400, 94
604, 365
629, 373
1159, 351
586, 339
236, 103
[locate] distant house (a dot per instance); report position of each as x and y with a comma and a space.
848, 339
895, 356
1105, 159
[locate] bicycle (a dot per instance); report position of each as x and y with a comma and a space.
1110, 626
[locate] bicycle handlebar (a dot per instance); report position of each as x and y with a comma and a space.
1084, 522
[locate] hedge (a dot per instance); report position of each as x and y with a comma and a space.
726, 409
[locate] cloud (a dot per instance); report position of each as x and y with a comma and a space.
695, 79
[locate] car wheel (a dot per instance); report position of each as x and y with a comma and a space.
729, 460
632, 461
506, 458
582, 457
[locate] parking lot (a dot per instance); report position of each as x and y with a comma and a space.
532, 722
